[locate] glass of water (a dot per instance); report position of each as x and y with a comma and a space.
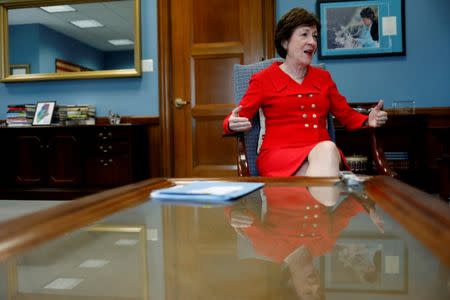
404, 106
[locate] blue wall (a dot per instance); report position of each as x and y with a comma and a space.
118, 60
56, 45
126, 96
422, 75
24, 41
46, 45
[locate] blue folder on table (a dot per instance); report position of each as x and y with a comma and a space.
206, 191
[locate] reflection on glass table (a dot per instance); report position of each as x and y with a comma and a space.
292, 239
100, 262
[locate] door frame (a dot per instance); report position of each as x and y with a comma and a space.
165, 74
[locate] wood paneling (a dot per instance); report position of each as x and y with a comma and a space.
209, 144
216, 21
64, 157
165, 89
214, 84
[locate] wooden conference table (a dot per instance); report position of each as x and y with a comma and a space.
295, 236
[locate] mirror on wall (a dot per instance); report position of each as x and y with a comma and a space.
71, 39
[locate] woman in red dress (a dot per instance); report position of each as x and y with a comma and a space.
296, 98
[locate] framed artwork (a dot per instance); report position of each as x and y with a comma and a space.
366, 265
364, 28
44, 113
19, 69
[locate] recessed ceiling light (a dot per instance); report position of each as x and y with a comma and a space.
121, 42
86, 23
58, 8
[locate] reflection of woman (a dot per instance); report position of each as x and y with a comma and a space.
296, 228
369, 35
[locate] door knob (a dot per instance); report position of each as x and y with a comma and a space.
179, 103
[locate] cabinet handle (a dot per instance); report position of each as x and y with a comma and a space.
101, 147
100, 134
110, 160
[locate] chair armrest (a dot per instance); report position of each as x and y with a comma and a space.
242, 162
378, 157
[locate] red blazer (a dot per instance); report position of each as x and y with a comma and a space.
296, 116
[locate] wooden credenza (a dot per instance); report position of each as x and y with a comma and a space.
423, 136
71, 161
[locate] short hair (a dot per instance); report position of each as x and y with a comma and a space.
368, 13
294, 18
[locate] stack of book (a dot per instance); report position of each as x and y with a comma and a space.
20, 115
76, 114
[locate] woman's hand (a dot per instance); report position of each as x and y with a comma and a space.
236, 123
377, 117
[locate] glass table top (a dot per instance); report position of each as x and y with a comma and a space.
284, 241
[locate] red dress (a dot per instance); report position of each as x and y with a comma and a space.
296, 116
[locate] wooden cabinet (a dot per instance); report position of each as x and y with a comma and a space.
417, 147
45, 157
80, 159
108, 161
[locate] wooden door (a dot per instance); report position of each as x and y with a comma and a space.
208, 38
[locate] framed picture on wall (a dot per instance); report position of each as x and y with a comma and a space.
44, 113
19, 69
364, 28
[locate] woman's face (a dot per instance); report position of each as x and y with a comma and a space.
367, 21
302, 45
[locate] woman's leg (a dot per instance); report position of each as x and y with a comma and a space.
324, 160
302, 170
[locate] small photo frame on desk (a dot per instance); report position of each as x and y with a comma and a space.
19, 69
44, 113
362, 28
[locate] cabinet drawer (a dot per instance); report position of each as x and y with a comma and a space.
111, 147
108, 170
108, 133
